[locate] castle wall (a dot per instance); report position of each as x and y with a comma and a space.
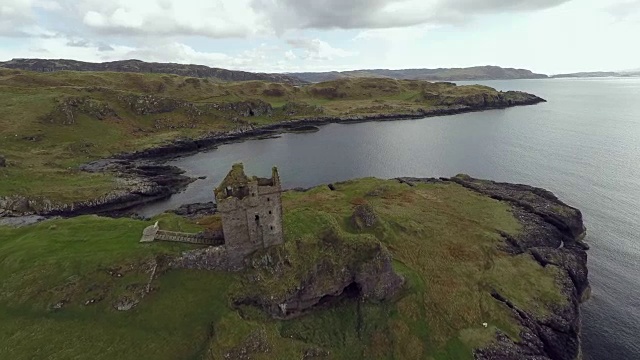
253, 222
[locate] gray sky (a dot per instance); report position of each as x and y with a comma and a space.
548, 36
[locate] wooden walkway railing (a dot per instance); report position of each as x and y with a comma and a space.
153, 233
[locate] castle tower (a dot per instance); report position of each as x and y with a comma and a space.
251, 211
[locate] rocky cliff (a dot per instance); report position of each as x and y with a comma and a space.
552, 234
286, 282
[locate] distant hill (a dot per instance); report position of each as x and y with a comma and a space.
442, 74
626, 73
588, 74
137, 66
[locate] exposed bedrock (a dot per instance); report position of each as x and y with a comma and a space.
367, 275
139, 183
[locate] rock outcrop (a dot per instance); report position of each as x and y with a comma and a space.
364, 217
139, 183
360, 270
69, 108
196, 210
487, 100
366, 274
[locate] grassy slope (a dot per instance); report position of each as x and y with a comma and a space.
443, 237
43, 155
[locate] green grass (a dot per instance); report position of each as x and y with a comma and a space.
443, 237
43, 148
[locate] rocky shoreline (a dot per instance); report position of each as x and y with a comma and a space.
145, 178
183, 147
552, 234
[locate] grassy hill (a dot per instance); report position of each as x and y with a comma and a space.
50, 123
63, 279
137, 66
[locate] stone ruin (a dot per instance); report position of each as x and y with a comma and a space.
251, 212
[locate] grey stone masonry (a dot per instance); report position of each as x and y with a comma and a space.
251, 211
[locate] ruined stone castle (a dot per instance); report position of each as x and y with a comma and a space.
251, 212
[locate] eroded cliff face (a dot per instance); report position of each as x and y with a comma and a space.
286, 281
368, 276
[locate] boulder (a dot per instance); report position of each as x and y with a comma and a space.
364, 217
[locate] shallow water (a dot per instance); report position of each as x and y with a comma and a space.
584, 145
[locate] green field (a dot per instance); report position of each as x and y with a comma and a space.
443, 237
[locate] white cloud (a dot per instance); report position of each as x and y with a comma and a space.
625, 10
316, 49
290, 55
368, 14
213, 18
544, 35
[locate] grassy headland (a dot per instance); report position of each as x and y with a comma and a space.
52, 122
61, 279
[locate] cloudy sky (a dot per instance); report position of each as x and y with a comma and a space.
548, 36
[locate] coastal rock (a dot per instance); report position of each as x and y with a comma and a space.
552, 234
370, 278
535, 200
487, 100
138, 183
196, 210
364, 217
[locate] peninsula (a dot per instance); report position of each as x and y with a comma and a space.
54, 123
409, 268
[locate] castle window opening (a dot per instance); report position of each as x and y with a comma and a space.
269, 212
257, 218
271, 227
268, 199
